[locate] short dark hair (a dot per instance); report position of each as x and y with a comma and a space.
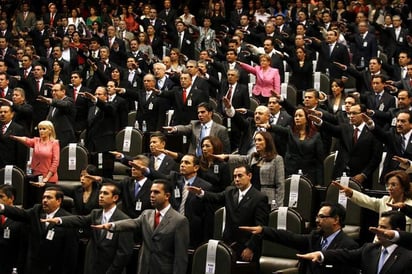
196, 161
406, 112
116, 188
167, 186
206, 105
397, 219
336, 210
247, 168
8, 190
58, 190
159, 135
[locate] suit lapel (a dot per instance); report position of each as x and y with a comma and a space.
390, 261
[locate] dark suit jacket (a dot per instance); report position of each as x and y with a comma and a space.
240, 96
122, 110
13, 249
63, 120
223, 67
366, 48
339, 54
305, 243
104, 255
82, 108
40, 110
362, 157
168, 164
40, 259
100, 133
184, 112
188, 45
392, 141
367, 257
129, 200
23, 115
164, 248
82, 208
13, 152
252, 210
153, 111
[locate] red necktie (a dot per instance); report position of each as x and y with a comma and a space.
229, 93
184, 96
51, 19
355, 135
2, 93
3, 219
38, 86
25, 73
157, 219
75, 94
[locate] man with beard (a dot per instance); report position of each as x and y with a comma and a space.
328, 235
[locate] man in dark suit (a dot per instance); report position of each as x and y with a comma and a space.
106, 252
328, 235
165, 233
230, 63
13, 236
38, 85
62, 113
236, 14
5, 91
359, 152
57, 54
281, 118
364, 46
51, 249
331, 51
158, 159
185, 100
8, 53
116, 45
52, 17
397, 140
11, 152
184, 41
398, 39
381, 257
136, 189
205, 126
169, 15
245, 206
121, 105
151, 108
380, 101
81, 103
38, 34
154, 21
100, 132
195, 210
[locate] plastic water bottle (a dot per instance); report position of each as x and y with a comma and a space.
136, 124
14, 271
144, 127
28, 168
362, 62
300, 172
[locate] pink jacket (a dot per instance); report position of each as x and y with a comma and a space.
46, 157
265, 80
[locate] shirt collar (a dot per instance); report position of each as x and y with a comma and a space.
163, 211
243, 193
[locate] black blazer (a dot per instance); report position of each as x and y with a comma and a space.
39, 258
11, 151
240, 96
367, 257
152, 111
354, 158
104, 255
252, 210
129, 200
305, 243
188, 47
63, 118
339, 54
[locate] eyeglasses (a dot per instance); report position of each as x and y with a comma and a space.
321, 216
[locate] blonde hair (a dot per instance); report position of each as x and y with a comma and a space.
48, 125
265, 56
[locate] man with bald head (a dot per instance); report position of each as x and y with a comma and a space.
248, 126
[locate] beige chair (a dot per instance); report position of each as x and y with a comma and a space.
131, 118
136, 142
16, 180
217, 118
328, 166
305, 202
353, 211
277, 257
224, 259
254, 103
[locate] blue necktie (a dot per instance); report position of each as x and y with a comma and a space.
384, 254
136, 188
324, 244
199, 144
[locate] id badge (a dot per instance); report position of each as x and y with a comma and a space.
109, 235
6, 233
177, 192
138, 205
365, 44
150, 106
215, 169
381, 107
189, 102
50, 235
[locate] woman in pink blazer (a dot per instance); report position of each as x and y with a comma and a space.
46, 153
267, 79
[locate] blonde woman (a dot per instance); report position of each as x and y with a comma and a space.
46, 153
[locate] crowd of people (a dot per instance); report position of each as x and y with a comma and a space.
81, 71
